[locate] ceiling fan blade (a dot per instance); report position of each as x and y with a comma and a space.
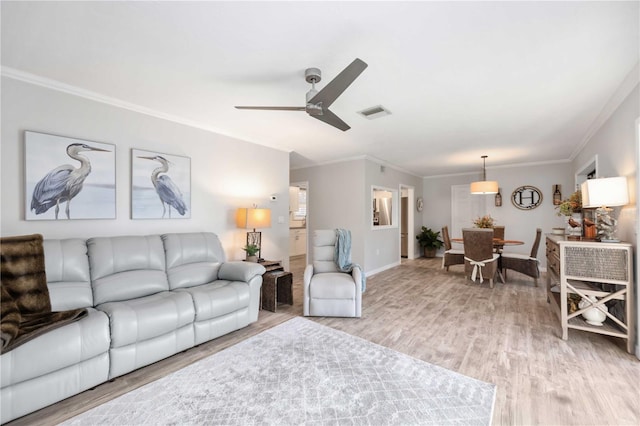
330, 118
331, 91
272, 108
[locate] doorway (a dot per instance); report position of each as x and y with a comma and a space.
407, 220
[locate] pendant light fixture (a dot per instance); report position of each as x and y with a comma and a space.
484, 186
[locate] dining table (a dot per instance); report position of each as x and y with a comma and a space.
498, 245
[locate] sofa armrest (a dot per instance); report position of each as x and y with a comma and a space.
240, 271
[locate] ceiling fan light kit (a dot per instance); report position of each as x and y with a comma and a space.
318, 102
484, 186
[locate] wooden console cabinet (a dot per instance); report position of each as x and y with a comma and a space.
589, 268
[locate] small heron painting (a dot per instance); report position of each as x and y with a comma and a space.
161, 185
68, 178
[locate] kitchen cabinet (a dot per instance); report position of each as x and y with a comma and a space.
589, 269
297, 242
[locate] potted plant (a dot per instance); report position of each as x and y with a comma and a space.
571, 205
571, 209
429, 241
252, 251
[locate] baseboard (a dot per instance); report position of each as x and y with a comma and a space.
384, 268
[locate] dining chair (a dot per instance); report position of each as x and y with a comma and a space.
479, 258
498, 232
451, 256
523, 263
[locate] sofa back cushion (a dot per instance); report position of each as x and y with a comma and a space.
324, 246
126, 267
192, 258
67, 269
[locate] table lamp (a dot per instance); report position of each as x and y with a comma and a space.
605, 193
252, 218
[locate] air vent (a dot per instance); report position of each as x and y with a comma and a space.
374, 112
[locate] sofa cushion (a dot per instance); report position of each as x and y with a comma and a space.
125, 268
192, 258
324, 241
147, 317
68, 279
57, 349
332, 285
218, 298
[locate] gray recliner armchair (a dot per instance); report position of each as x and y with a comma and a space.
328, 292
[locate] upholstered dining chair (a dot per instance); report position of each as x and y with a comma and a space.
527, 264
479, 258
451, 256
328, 292
498, 232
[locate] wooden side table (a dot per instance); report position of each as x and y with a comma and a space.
276, 286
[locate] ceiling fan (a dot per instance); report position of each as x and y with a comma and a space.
318, 103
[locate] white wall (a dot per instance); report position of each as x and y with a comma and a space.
335, 200
382, 246
340, 197
226, 173
519, 224
616, 145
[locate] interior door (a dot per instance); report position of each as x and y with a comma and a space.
404, 229
465, 207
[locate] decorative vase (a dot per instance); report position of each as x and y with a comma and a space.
593, 316
252, 259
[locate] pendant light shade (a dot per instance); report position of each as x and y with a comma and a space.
484, 186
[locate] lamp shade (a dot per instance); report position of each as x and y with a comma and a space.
484, 187
253, 218
605, 192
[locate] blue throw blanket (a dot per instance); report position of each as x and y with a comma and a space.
341, 255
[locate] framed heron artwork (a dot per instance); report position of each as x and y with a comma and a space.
67, 178
160, 185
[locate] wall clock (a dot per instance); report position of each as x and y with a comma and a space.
419, 204
526, 197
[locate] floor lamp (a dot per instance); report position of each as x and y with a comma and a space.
605, 193
253, 218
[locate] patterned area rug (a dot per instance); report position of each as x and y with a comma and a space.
301, 372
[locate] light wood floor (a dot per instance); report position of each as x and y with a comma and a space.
506, 335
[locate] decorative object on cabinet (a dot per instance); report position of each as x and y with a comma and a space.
605, 193
430, 241
557, 195
498, 199
87, 189
526, 197
484, 186
419, 204
571, 205
485, 221
589, 230
252, 218
593, 316
160, 183
600, 272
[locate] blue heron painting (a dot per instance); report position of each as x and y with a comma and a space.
66, 183
167, 183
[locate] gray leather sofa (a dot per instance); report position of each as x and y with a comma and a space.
148, 297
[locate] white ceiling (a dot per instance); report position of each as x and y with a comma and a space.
522, 82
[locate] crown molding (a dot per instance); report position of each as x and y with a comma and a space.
98, 97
